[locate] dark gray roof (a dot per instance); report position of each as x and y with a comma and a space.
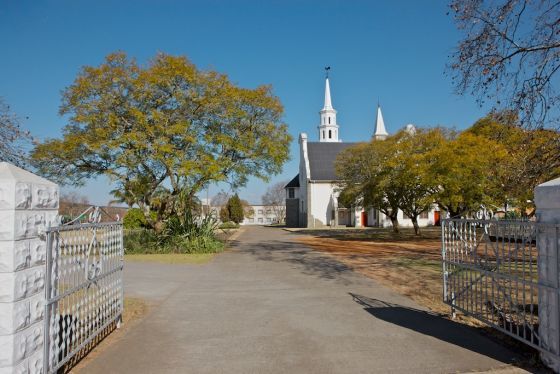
293, 183
322, 157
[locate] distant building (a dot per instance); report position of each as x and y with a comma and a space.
311, 196
262, 215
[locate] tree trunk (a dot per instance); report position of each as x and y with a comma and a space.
395, 223
414, 220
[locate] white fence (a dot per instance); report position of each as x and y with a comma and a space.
84, 289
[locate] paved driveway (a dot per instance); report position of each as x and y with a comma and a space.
271, 305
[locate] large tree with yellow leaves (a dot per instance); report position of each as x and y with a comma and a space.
163, 132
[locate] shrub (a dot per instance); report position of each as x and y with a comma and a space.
181, 234
224, 214
135, 219
229, 225
233, 211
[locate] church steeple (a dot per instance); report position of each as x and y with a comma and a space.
328, 128
380, 132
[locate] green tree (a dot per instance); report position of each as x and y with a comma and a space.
224, 214
134, 219
392, 174
164, 129
532, 158
410, 170
466, 173
235, 209
365, 178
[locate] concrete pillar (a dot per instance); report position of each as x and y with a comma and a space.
547, 201
28, 204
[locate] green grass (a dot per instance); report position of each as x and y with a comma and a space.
417, 263
172, 258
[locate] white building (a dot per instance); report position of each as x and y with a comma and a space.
311, 196
261, 215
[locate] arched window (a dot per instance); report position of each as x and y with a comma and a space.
329, 120
323, 134
330, 134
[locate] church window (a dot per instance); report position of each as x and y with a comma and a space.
330, 134
291, 193
323, 134
329, 120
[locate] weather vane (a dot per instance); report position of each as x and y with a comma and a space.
327, 68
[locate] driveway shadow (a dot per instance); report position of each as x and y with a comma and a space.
434, 325
304, 259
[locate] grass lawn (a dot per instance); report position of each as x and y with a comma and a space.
172, 258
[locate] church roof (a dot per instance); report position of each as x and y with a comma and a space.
294, 182
322, 157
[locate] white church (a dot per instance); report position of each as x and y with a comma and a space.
311, 196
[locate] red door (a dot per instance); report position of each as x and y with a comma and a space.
364, 219
436, 218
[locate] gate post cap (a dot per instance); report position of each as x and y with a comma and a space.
547, 195
9, 172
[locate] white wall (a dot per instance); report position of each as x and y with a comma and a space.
321, 204
28, 204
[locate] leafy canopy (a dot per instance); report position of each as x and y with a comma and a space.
164, 129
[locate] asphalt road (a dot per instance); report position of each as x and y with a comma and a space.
271, 305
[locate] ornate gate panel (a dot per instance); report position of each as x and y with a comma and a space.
84, 288
491, 272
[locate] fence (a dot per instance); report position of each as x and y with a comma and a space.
491, 272
83, 288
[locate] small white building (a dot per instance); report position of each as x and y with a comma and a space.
311, 196
261, 215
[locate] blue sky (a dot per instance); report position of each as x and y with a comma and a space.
390, 51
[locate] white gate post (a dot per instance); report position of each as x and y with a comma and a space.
28, 204
547, 201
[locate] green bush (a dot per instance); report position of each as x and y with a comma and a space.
235, 209
229, 225
135, 219
182, 234
146, 241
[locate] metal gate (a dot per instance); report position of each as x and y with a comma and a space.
84, 289
491, 272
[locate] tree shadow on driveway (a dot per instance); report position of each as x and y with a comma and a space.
436, 326
307, 261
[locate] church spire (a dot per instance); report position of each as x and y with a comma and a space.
380, 132
328, 128
328, 103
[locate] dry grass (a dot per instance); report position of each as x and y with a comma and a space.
172, 258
